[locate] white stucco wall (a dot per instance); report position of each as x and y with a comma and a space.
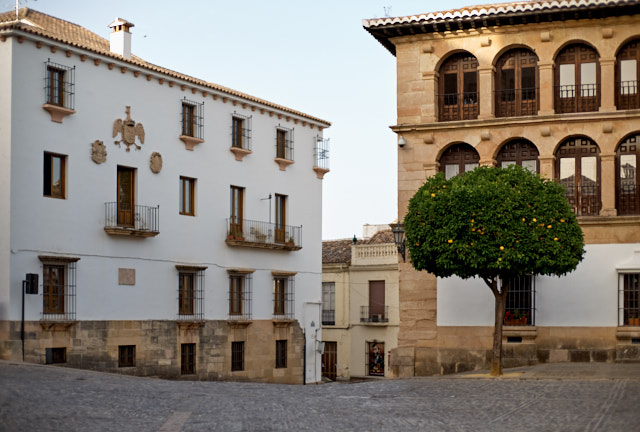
586, 297
6, 77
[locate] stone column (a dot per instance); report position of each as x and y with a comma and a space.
608, 184
546, 166
607, 84
485, 87
429, 101
545, 71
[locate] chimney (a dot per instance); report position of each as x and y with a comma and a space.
121, 37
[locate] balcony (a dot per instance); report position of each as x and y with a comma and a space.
321, 157
458, 106
583, 199
628, 199
516, 102
135, 221
374, 314
577, 98
627, 95
265, 235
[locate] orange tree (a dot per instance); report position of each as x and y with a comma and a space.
495, 224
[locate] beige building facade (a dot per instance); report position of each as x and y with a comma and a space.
553, 87
360, 306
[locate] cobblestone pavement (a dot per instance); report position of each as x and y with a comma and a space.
48, 398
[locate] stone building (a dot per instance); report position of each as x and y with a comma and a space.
551, 86
359, 305
159, 224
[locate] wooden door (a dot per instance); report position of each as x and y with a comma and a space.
126, 193
281, 210
330, 360
376, 300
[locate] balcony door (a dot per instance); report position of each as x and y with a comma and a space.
281, 218
459, 88
516, 77
376, 300
578, 168
236, 220
126, 196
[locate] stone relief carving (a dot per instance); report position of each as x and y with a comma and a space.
155, 162
129, 130
98, 152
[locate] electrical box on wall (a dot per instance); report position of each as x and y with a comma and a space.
31, 285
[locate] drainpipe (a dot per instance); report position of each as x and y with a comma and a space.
22, 323
304, 359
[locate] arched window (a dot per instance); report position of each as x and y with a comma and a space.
577, 80
627, 73
458, 88
519, 152
517, 84
627, 183
578, 169
457, 159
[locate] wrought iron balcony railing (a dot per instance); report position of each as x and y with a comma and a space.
263, 234
516, 102
328, 317
133, 220
458, 106
374, 314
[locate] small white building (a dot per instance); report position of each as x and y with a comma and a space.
170, 226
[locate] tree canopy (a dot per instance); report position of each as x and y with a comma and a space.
492, 222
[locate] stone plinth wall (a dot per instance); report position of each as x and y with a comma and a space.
94, 345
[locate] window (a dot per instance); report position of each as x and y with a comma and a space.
519, 152
284, 143
520, 303
458, 159
237, 211
55, 355
627, 180
577, 79
187, 358
58, 287
54, 172
629, 299
375, 357
283, 289
328, 303
516, 76
237, 356
192, 118
126, 197
241, 131
59, 85
578, 170
281, 354
321, 153
376, 311
190, 292
187, 196
281, 219
239, 295
627, 72
126, 355
458, 88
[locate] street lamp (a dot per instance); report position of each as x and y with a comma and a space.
398, 237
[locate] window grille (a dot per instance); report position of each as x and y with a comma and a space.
190, 292
188, 358
237, 356
55, 355
629, 299
241, 131
283, 297
281, 354
240, 287
520, 304
328, 303
192, 118
284, 143
126, 355
59, 85
58, 288
321, 153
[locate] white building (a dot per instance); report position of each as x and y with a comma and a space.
174, 225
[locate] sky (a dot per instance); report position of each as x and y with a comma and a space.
311, 56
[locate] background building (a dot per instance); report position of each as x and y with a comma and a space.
173, 225
553, 87
359, 304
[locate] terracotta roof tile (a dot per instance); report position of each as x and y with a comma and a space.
336, 251
381, 237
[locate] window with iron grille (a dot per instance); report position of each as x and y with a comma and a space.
192, 118
237, 356
281, 354
240, 131
284, 143
629, 299
520, 302
54, 173
321, 153
239, 295
58, 287
55, 355
190, 292
187, 196
188, 358
126, 355
328, 303
283, 295
59, 85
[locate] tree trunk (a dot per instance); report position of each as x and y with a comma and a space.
500, 301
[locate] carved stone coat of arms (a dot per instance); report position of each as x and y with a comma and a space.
129, 130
